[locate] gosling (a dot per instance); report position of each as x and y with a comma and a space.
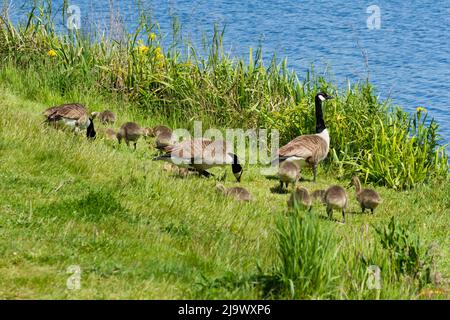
105, 117
238, 193
288, 172
131, 132
367, 198
335, 197
318, 195
108, 133
300, 198
164, 137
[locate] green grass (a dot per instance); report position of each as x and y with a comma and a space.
137, 231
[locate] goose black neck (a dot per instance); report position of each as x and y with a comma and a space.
320, 123
236, 167
90, 132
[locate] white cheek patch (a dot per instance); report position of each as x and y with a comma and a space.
321, 97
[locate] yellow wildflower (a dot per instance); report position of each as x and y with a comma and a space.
340, 118
421, 109
52, 53
143, 49
158, 50
152, 36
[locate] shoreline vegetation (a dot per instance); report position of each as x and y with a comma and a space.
134, 230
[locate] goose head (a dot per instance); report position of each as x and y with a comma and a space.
323, 96
90, 132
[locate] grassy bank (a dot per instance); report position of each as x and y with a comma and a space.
137, 231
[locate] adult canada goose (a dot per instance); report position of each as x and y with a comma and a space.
367, 198
288, 172
105, 117
131, 131
301, 198
335, 197
309, 150
238, 193
202, 154
73, 115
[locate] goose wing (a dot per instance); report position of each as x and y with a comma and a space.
188, 149
69, 111
218, 152
304, 147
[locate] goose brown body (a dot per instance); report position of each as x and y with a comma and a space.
335, 197
131, 132
74, 115
202, 154
106, 117
238, 193
309, 150
288, 172
301, 198
367, 198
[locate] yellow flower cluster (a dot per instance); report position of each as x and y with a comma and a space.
152, 36
52, 53
421, 109
143, 49
159, 56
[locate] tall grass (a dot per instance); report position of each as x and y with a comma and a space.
388, 147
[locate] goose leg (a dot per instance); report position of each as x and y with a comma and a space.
315, 172
281, 185
343, 215
206, 174
363, 209
329, 212
135, 146
371, 210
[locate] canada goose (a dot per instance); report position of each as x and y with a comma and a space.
155, 131
335, 197
301, 198
202, 154
317, 195
131, 131
367, 198
309, 150
288, 172
238, 193
105, 117
164, 136
73, 115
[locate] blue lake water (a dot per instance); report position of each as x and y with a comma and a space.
408, 56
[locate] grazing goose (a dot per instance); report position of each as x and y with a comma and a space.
73, 115
105, 117
318, 195
335, 197
202, 154
108, 133
131, 131
309, 150
288, 172
367, 198
164, 137
301, 198
238, 193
